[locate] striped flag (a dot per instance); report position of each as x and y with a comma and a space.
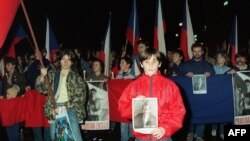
105, 52
234, 40
19, 35
51, 43
159, 30
132, 33
187, 35
8, 9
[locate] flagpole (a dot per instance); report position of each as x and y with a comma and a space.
38, 52
126, 44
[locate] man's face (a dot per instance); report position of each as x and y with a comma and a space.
240, 61
197, 53
141, 48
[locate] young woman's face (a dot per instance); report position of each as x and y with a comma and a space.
96, 66
220, 59
151, 66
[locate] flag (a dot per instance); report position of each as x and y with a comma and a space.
105, 52
132, 33
159, 30
51, 43
8, 9
19, 35
136, 68
234, 41
187, 35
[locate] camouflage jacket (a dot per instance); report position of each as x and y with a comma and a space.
76, 89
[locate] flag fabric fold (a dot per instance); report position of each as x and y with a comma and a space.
51, 43
234, 41
19, 35
159, 30
105, 52
8, 9
132, 33
187, 35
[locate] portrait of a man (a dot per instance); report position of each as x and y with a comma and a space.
145, 118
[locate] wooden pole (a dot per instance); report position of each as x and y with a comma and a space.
38, 52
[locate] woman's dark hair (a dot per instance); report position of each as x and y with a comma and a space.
100, 62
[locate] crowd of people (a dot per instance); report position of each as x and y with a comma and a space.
69, 70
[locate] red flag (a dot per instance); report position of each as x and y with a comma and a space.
28, 108
19, 35
159, 30
132, 33
8, 10
234, 41
187, 35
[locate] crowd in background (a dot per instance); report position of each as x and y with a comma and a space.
21, 74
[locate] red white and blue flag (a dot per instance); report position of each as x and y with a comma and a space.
51, 44
8, 9
187, 34
132, 33
105, 52
19, 35
234, 41
159, 30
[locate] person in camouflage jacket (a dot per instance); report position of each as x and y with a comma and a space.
75, 90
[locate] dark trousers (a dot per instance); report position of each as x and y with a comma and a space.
13, 132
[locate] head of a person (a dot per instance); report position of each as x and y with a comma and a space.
222, 58
197, 50
150, 61
145, 108
247, 82
10, 64
241, 59
97, 65
66, 57
142, 45
92, 93
178, 56
125, 64
20, 60
170, 55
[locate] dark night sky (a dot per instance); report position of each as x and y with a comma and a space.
83, 23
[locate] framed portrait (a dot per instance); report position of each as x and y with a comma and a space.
144, 115
199, 84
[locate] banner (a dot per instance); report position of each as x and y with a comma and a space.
216, 106
97, 107
115, 89
27, 108
242, 98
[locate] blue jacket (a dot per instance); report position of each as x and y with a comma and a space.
196, 67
